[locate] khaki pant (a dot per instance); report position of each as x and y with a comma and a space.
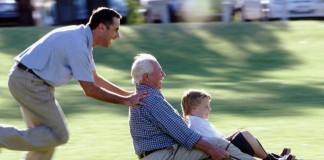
177, 152
42, 114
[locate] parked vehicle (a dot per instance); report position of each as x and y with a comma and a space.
9, 12
282, 9
80, 10
296, 8
180, 10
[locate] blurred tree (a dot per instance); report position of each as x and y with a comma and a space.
134, 17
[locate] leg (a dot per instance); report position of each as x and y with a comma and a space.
182, 153
36, 155
233, 150
43, 116
40, 155
259, 151
177, 152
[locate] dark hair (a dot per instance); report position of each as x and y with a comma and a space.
102, 15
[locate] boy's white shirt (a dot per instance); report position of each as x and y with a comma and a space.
204, 127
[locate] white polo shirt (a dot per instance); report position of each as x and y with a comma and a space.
61, 55
204, 127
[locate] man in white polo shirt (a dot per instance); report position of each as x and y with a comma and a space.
52, 61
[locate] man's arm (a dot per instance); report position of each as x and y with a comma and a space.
105, 91
100, 81
215, 152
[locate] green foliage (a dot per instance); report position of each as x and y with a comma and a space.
134, 16
263, 77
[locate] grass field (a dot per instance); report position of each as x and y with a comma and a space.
264, 77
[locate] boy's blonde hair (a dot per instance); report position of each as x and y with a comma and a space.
191, 99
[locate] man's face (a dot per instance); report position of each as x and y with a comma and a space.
155, 78
110, 33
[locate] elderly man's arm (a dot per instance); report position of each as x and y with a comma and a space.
215, 152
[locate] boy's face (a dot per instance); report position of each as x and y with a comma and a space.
202, 110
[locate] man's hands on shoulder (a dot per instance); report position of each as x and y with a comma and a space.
103, 94
135, 97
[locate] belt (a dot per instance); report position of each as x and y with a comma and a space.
146, 153
23, 67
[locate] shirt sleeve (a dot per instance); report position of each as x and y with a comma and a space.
168, 120
82, 65
92, 62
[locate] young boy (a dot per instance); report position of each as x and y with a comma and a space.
196, 108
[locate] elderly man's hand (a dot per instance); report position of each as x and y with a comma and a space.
134, 98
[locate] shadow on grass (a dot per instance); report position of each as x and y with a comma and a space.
210, 53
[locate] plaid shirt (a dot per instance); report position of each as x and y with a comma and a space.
157, 124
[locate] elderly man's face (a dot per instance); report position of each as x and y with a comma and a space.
155, 78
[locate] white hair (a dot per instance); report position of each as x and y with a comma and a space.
141, 65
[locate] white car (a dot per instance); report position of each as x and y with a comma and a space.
296, 8
301, 6
281, 9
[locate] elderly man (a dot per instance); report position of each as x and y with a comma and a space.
159, 132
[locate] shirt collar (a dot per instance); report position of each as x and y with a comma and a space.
152, 90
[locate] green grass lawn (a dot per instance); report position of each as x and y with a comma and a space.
264, 77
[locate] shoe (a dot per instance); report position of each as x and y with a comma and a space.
275, 155
288, 157
285, 151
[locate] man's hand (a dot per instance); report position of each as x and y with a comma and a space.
127, 99
134, 98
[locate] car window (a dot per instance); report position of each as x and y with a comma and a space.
7, 1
